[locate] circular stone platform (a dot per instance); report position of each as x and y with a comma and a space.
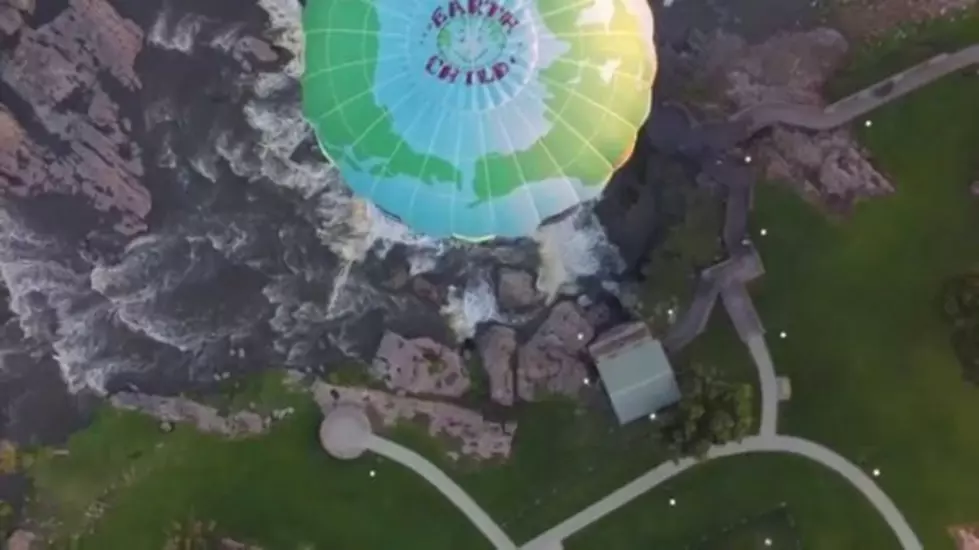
345, 431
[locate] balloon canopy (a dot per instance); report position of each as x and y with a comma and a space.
477, 118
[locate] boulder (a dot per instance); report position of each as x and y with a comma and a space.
787, 68
515, 289
548, 364
23, 540
497, 346
169, 410
419, 366
427, 290
831, 164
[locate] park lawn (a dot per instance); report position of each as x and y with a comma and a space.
902, 49
280, 490
564, 458
872, 369
775, 530
712, 497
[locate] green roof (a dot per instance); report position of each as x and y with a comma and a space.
635, 372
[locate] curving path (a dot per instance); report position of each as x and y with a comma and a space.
860, 103
443, 483
759, 444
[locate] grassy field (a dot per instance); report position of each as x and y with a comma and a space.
828, 513
280, 490
867, 349
775, 529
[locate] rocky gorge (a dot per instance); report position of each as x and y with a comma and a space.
168, 222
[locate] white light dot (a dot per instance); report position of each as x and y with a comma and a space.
669, 311
747, 159
868, 123
876, 472
672, 502
581, 335
783, 334
373, 473
652, 416
763, 232
768, 542
587, 381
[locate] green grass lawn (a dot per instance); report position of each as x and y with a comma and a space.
867, 349
710, 498
281, 490
775, 530
564, 458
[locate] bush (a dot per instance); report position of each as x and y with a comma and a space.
711, 411
960, 308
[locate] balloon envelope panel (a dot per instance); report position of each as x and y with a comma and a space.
477, 118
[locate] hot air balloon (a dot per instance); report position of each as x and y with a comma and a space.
477, 118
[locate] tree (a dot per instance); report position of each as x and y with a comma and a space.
711, 411
960, 308
690, 245
960, 299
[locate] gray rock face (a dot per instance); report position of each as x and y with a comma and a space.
419, 366
23, 540
791, 68
87, 39
788, 68
475, 436
497, 346
829, 164
180, 409
548, 363
516, 290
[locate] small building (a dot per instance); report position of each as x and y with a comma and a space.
635, 371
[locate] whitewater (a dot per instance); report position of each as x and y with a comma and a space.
288, 266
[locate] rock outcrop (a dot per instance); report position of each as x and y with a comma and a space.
476, 437
83, 146
792, 68
12, 14
515, 289
185, 411
548, 364
497, 346
23, 540
419, 366
829, 165
787, 68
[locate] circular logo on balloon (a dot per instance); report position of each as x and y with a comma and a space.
473, 42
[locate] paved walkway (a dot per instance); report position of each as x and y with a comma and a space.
446, 486
757, 444
860, 103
